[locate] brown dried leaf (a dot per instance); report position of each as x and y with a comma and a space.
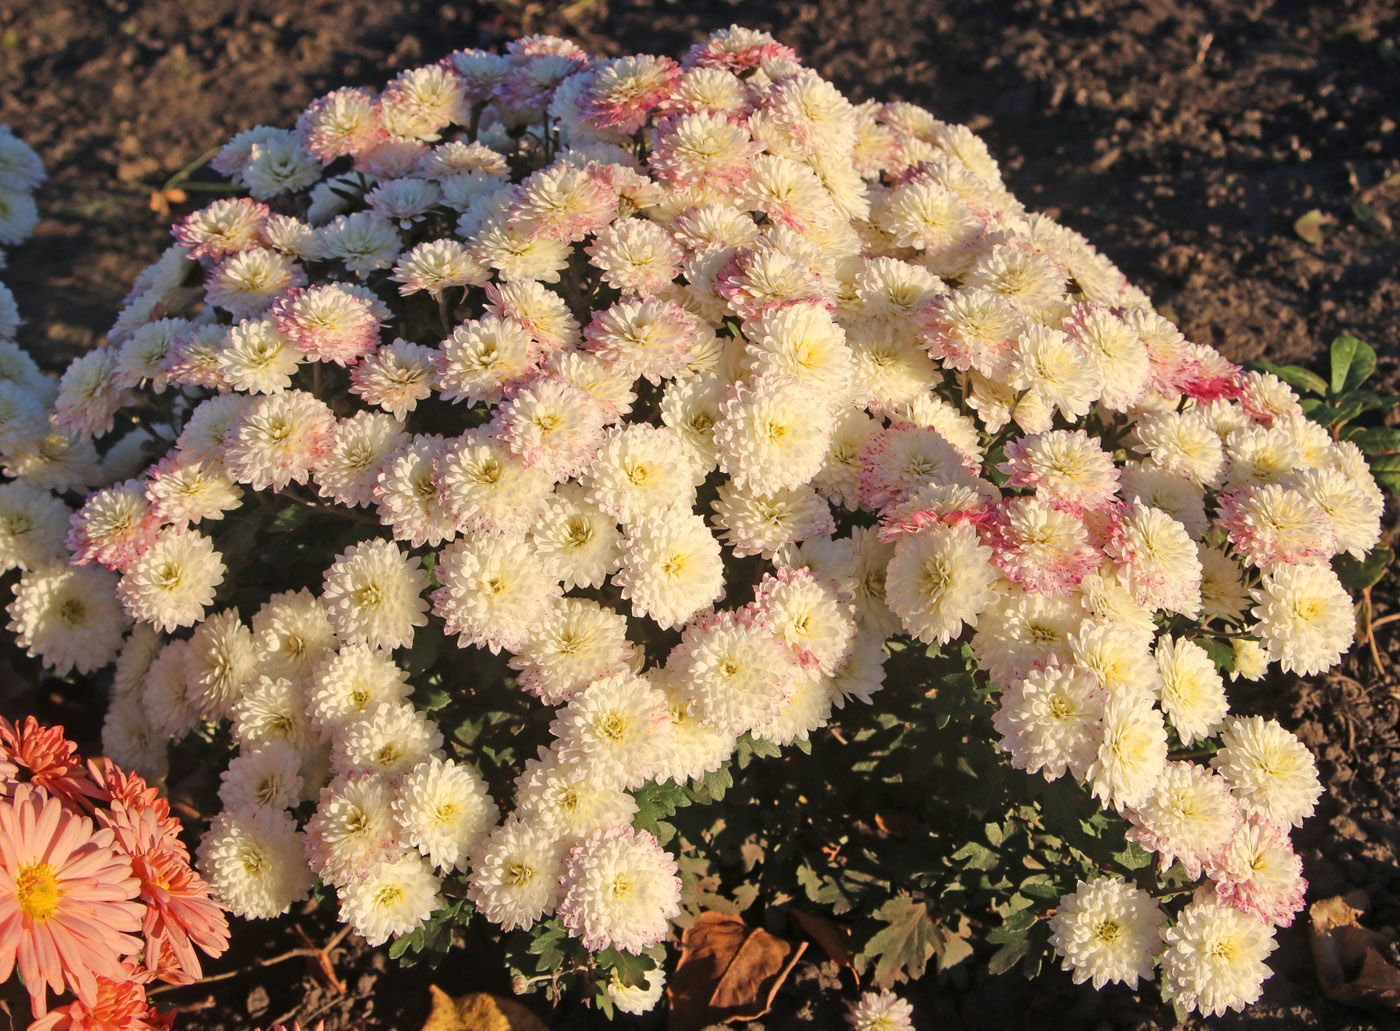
479, 1011
728, 972
831, 936
1349, 967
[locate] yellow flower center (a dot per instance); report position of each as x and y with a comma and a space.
37, 890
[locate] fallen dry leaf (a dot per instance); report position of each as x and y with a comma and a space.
1349, 966
728, 972
832, 937
479, 1011
1312, 225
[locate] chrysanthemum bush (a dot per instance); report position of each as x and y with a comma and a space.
526, 460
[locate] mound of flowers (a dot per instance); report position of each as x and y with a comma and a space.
545, 428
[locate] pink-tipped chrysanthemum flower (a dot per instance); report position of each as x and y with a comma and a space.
67, 900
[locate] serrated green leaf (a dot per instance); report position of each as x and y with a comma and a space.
1132, 857
1361, 575
1353, 361
1386, 470
1375, 439
1220, 653
902, 948
975, 856
1008, 956
1295, 376
1014, 927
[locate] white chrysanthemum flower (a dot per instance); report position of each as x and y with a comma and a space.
1214, 958
113, 526
1306, 620
732, 672
1051, 720
1053, 369
939, 580
353, 828
392, 898
245, 284
1192, 690
620, 889
221, 659
618, 727
184, 492
1159, 560
1272, 526
391, 738
774, 435
363, 241
1190, 817
1107, 932
637, 999
763, 524
266, 777
254, 863
270, 710
880, 1011
444, 811
1258, 872
495, 592
88, 394
278, 163
172, 582
1353, 512
129, 740
554, 426
1223, 593
1270, 771
410, 496
350, 682
802, 341
515, 874
142, 646
671, 568
582, 643
888, 367
481, 357
358, 453
163, 698
1120, 658
257, 357
291, 631
565, 799
56, 461
810, 616
1018, 629
489, 490
68, 617
577, 538
1151, 487
1133, 755
395, 377
373, 593
639, 468
1259, 456
636, 256
1116, 350
210, 429
1183, 444
697, 748
280, 439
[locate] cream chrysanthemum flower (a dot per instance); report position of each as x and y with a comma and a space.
732, 672
1214, 958
269, 709
1133, 756
291, 631
362, 446
373, 593
32, 526
1017, 630
1107, 932
395, 377
1192, 690
617, 727
280, 439
639, 468
773, 435
495, 592
391, 899
265, 777
68, 617
410, 496
1270, 771
391, 738
221, 659
939, 580
565, 799
347, 683
578, 538
515, 874
671, 568
1258, 872
1051, 720
1305, 618
582, 643
880, 1011
172, 582
253, 861
353, 828
444, 811
1189, 817
489, 490
620, 890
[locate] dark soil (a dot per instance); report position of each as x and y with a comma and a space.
1183, 138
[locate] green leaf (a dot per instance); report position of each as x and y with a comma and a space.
1014, 927
977, 857
1295, 376
1132, 857
289, 518
1375, 439
1220, 653
1361, 575
656, 802
1386, 470
1352, 361
902, 948
1008, 956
